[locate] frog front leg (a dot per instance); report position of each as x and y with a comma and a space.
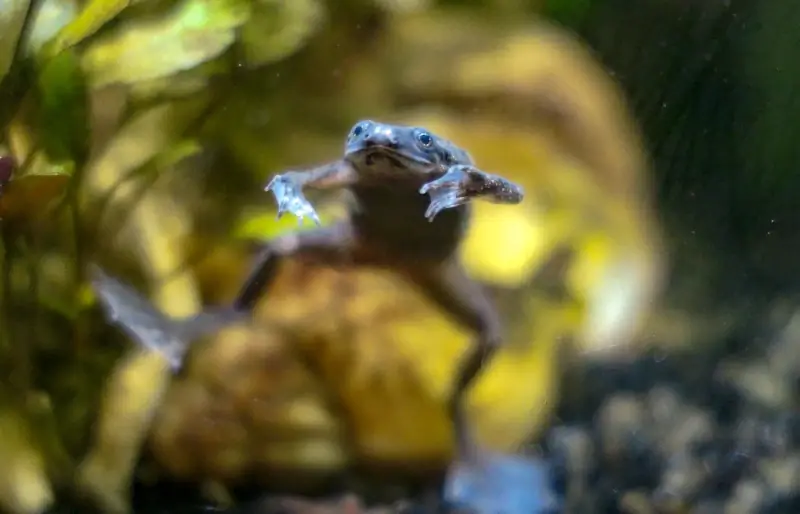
462, 183
288, 190
288, 187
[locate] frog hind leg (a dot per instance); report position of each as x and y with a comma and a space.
469, 304
332, 241
481, 481
149, 327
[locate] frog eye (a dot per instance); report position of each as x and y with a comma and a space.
358, 129
425, 139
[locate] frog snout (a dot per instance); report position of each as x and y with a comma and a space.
384, 138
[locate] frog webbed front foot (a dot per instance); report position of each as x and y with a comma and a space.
288, 193
463, 183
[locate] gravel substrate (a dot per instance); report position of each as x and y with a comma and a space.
714, 431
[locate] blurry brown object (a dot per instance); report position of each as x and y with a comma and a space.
344, 367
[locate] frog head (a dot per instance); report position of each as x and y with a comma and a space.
398, 150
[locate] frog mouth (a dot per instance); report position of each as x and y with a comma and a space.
380, 155
373, 158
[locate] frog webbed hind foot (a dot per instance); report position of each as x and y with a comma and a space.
149, 327
494, 483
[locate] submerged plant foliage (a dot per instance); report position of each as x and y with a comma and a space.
77, 142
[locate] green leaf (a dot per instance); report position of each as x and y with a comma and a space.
27, 197
56, 287
154, 136
194, 32
12, 17
176, 153
96, 14
36, 182
63, 118
52, 17
180, 85
278, 28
